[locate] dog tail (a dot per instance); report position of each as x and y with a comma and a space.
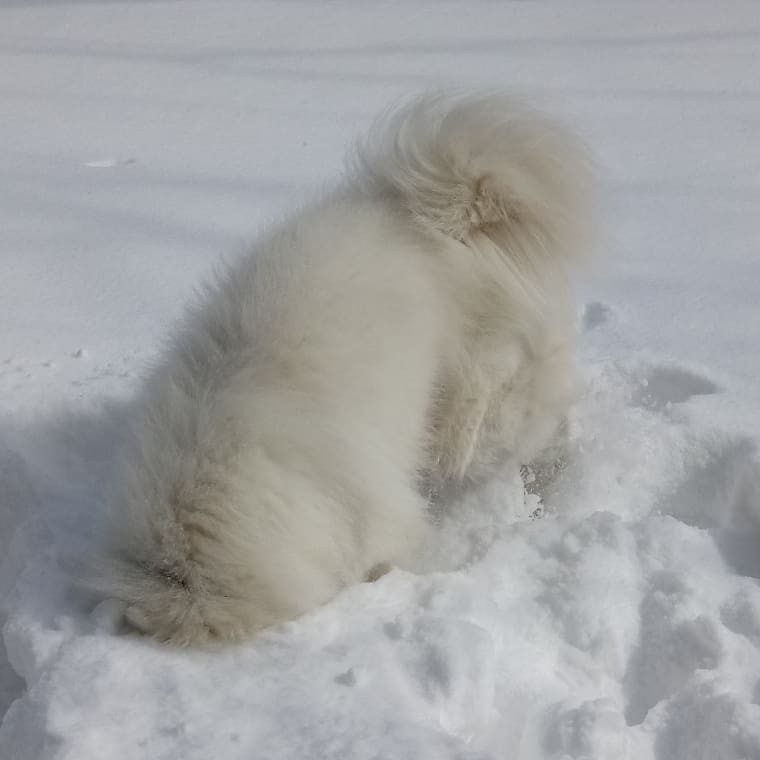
489, 165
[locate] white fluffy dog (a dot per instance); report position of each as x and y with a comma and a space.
412, 326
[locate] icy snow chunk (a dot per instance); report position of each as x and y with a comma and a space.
706, 722
593, 730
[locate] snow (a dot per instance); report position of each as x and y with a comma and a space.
617, 618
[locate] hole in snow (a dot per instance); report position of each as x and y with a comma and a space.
670, 385
595, 314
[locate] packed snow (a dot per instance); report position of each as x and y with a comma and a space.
605, 607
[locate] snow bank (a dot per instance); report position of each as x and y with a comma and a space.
610, 609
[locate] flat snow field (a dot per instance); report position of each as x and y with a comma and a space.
619, 619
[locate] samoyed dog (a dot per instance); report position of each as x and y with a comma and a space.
410, 330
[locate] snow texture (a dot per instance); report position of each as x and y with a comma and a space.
608, 610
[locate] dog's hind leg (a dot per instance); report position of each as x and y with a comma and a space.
458, 419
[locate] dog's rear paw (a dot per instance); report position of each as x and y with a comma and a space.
377, 571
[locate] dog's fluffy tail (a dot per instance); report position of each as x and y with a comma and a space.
465, 165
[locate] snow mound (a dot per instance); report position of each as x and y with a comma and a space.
614, 611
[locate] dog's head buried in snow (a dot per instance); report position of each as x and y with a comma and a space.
416, 321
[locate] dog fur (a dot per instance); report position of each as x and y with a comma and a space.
413, 325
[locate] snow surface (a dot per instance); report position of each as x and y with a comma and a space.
619, 618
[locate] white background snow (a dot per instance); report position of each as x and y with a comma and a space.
142, 141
